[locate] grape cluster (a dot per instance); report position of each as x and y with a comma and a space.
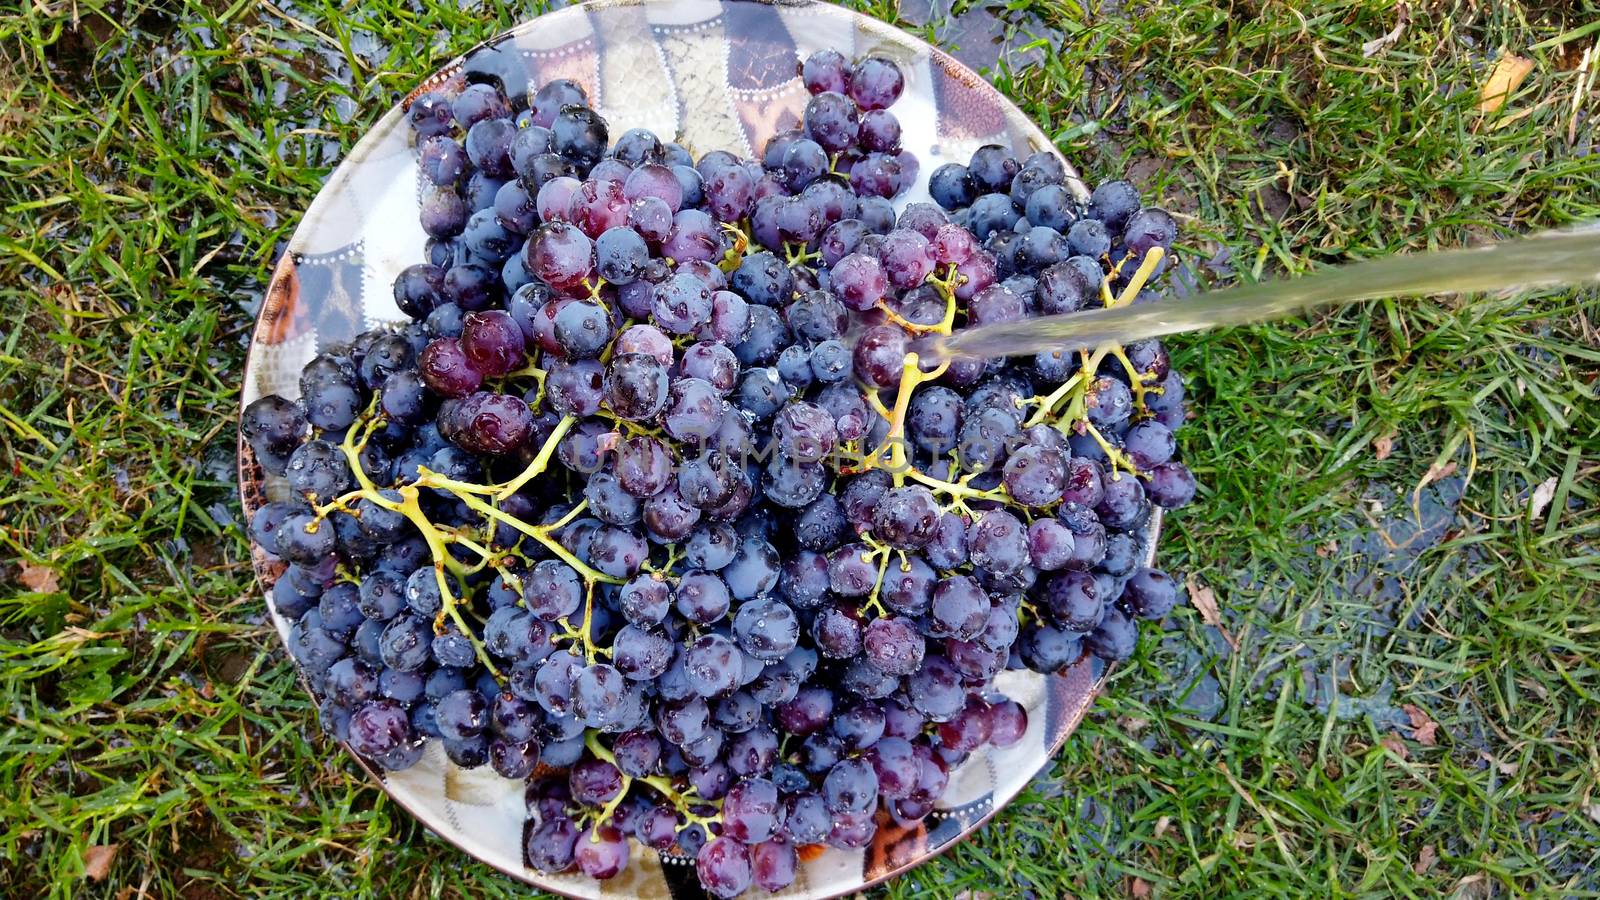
655, 490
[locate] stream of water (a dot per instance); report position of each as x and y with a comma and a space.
1543, 260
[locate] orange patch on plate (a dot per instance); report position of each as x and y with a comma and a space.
809, 852
894, 846
281, 314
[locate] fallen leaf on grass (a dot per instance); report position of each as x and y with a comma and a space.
1500, 765
1426, 857
1507, 75
1327, 549
1395, 745
97, 861
1592, 811
1437, 472
1165, 822
1139, 888
1205, 601
1383, 446
1542, 495
1371, 48
39, 579
1423, 729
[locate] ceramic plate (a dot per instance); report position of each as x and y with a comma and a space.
711, 74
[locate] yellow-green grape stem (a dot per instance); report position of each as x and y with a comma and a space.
1092, 363
734, 255
541, 533
338, 504
876, 403
1136, 378
512, 579
352, 448
542, 460
635, 429
795, 253
1048, 404
679, 800
911, 375
958, 489
1026, 607
566, 520
1140, 275
1105, 283
1119, 460
530, 370
583, 632
664, 570
432, 479
606, 811
452, 537
908, 325
411, 509
946, 287
539, 375
595, 287
880, 552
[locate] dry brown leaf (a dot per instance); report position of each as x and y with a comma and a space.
1371, 48
1328, 548
1437, 472
1139, 888
97, 861
1423, 729
1500, 765
1592, 811
1162, 824
1473, 887
1509, 71
1395, 745
1383, 446
1426, 857
40, 579
1205, 601
1542, 495
1581, 87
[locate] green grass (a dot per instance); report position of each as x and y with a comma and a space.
153, 165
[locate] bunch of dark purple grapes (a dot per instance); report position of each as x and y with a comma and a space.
655, 490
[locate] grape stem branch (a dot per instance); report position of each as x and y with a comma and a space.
683, 802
